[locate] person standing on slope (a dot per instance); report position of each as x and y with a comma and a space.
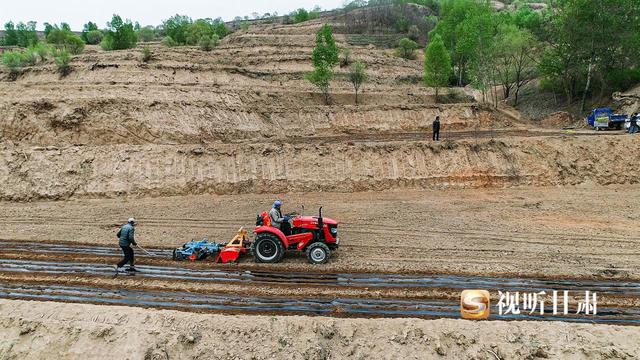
126, 238
436, 129
633, 124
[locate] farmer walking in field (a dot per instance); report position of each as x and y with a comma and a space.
436, 129
126, 238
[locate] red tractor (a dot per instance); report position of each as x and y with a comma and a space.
316, 236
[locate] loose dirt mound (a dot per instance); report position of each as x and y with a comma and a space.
560, 119
71, 331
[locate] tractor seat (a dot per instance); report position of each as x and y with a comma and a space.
263, 219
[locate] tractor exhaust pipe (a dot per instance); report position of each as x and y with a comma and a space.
320, 221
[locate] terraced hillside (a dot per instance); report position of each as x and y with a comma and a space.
242, 119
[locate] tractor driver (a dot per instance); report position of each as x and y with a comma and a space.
277, 220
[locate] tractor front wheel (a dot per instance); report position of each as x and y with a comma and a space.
267, 248
318, 253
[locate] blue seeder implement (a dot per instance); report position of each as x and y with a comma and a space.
197, 250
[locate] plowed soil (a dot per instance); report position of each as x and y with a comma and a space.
587, 231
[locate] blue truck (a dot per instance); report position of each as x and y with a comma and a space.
604, 118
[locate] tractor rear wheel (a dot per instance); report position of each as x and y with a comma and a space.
318, 253
267, 248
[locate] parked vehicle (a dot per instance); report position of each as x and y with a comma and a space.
604, 118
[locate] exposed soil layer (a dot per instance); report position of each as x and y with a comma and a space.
38, 330
109, 171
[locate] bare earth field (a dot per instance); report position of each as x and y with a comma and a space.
588, 231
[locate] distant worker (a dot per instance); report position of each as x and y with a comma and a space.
277, 220
633, 124
126, 239
436, 129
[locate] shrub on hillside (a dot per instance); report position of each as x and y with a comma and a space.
300, 15
406, 49
42, 50
63, 61
94, 37
169, 42
414, 33
346, 58
147, 34
207, 43
63, 38
119, 35
176, 28
90, 27
29, 57
147, 54
14, 61
184, 31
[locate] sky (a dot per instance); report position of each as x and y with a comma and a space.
147, 12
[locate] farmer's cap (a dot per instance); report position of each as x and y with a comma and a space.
132, 221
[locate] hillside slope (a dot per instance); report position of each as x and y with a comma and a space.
242, 119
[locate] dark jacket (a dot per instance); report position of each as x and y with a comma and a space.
126, 235
436, 125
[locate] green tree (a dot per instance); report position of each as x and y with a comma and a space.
176, 27
464, 25
185, 31
147, 34
10, 37
324, 58
300, 15
358, 76
588, 41
86, 29
205, 28
407, 49
437, 64
516, 51
63, 38
22, 34
94, 37
119, 35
